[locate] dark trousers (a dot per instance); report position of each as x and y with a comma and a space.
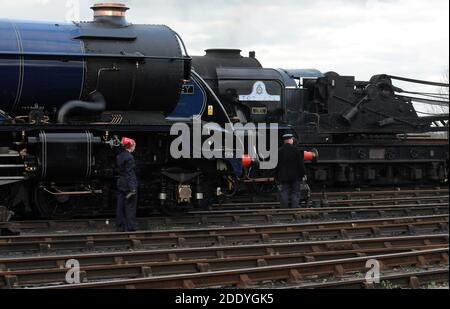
292, 190
126, 213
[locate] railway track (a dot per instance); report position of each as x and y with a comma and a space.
244, 245
382, 192
88, 242
243, 217
20, 272
293, 273
389, 280
245, 213
339, 203
355, 194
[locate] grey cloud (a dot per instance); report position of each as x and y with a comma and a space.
362, 38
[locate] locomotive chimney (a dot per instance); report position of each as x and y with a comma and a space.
112, 13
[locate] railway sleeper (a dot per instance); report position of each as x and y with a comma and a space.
423, 259
146, 272
412, 280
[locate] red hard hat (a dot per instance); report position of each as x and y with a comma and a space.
246, 161
128, 142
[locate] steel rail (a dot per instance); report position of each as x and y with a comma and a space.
236, 217
274, 207
344, 203
373, 193
132, 266
221, 252
411, 279
245, 277
223, 236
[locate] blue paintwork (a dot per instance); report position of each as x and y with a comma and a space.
304, 73
190, 105
236, 164
48, 83
9, 68
289, 76
3, 117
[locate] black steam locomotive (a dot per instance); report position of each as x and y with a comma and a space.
69, 92
366, 132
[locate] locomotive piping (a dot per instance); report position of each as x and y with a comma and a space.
182, 43
21, 67
43, 138
89, 153
187, 60
83, 49
98, 104
418, 81
77, 56
426, 101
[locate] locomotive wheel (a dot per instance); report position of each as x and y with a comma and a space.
55, 207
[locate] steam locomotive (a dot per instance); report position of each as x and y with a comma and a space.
366, 132
69, 92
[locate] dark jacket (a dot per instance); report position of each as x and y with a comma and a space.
290, 164
127, 172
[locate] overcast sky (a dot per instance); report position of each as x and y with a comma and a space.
352, 37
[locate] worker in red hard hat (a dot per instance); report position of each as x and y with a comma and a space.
127, 187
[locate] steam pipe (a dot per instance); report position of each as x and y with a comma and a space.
98, 104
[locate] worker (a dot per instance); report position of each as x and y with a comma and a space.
290, 172
127, 186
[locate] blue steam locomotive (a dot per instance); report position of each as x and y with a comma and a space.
69, 92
